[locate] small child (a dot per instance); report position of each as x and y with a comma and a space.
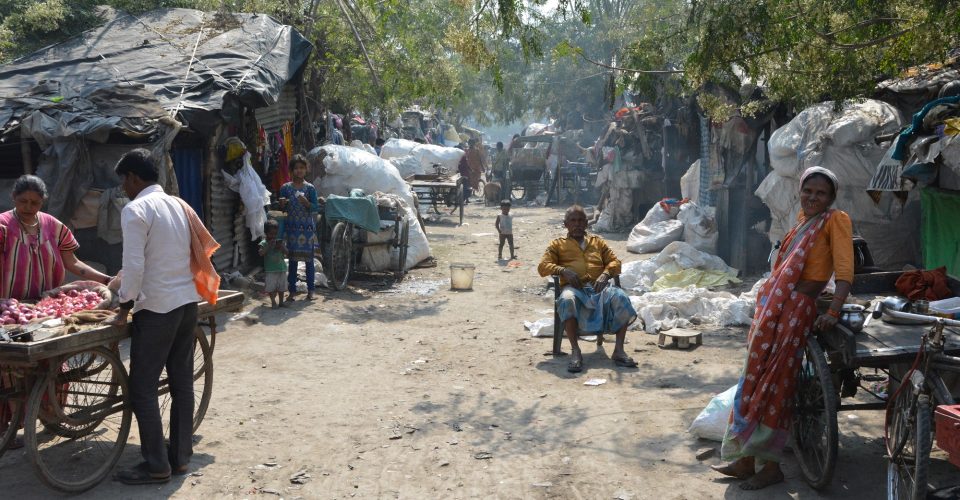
273, 250
504, 225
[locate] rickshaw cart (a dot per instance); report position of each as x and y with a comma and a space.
832, 369
439, 188
528, 175
343, 233
70, 394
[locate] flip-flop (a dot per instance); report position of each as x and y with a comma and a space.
575, 366
624, 361
140, 475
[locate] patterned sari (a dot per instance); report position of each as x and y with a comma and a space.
759, 422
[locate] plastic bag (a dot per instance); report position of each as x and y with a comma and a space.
542, 327
711, 423
253, 193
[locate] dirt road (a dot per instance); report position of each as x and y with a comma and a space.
417, 391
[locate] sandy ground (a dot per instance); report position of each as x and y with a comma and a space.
381, 392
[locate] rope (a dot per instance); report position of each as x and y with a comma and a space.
183, 88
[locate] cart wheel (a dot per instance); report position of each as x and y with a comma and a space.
202, 383
815, 418
908, 430
11, 409
341, 255
403, 245
461, 199
88, 396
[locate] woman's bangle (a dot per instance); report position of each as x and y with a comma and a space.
833, 314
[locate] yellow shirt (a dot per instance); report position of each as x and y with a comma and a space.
589, 262
832, 252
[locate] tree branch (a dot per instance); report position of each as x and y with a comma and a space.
642, 71
356, 34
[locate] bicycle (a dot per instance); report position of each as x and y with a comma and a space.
908, 430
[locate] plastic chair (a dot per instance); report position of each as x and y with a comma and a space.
558, 332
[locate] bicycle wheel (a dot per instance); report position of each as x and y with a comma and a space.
814, 426
78, 398
11, 408
341, 255
909, 432
202, 383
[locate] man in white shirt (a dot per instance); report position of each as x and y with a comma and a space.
158, 285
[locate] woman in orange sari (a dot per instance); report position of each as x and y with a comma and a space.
818, 247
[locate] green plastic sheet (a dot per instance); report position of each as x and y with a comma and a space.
940, 229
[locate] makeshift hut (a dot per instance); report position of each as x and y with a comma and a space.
176, 81
922, 164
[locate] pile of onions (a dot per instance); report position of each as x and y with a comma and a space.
58, 305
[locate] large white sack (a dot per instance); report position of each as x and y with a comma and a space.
407, 165
397, 147
699, 227
690, 183
350, 168
680, 255
427, 154
653, 238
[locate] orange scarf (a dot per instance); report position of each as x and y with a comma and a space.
202, 247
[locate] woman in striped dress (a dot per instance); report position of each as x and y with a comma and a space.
36, 250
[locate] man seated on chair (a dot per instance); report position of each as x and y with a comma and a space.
586, 264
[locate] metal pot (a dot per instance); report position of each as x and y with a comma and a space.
853, 316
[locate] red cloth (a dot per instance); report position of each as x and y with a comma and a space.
924, 285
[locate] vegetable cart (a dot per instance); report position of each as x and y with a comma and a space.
439, 188
70, 394
839, 363
342, 238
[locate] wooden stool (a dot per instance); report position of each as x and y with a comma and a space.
680, 338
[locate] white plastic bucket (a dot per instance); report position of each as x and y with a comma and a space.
461, 276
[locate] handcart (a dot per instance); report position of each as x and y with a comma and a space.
528, 173
70, 395
344, 234
439, 188
837, 364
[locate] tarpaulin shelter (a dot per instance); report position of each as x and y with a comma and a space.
171, 80
926, 154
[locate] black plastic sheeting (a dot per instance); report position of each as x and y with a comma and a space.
107, 76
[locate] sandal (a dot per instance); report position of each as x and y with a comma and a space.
141, 475
624, 361
575, 365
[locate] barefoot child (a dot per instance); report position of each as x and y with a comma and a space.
299, 199
273, 251
504, 225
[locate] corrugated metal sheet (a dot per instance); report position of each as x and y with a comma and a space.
284, 110
188, 165
223, 209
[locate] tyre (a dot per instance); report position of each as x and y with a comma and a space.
909, 442
202, 383
814, 426
341, 255
403, 245
101, 397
